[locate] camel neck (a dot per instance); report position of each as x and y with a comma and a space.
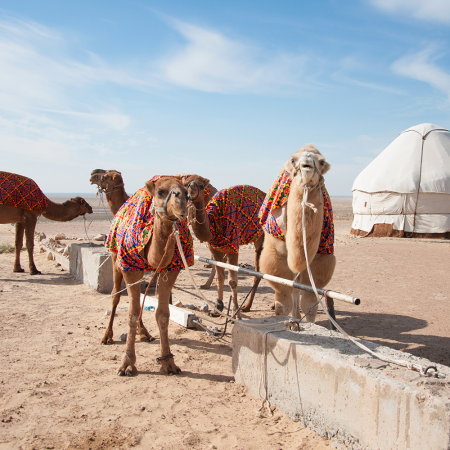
162, 245
313, 219
200, 222
61, 212
116, 197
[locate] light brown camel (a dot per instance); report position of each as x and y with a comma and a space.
233, 217
110, 183
286, 258
23, 191
164, 201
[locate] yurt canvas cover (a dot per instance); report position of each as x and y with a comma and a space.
405, 190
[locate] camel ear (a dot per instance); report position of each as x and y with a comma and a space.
325, 167
151, 188
183, 179
205, 181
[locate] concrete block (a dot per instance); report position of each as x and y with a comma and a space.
88, 263
180, 316
325, 381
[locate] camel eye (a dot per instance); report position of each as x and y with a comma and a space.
322, 162
293, 161
160, 193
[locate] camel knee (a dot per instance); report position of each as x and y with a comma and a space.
233, 284
322, 269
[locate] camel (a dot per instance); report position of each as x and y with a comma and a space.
110, 183
140, 240
233, 217
22, 202
285, 257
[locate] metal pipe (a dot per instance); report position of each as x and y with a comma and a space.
331, 294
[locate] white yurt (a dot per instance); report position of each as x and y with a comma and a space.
405, 190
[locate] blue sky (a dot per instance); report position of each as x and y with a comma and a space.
227, 90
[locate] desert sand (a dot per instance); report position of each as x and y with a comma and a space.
59, 388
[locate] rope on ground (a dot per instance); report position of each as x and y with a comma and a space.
212, 305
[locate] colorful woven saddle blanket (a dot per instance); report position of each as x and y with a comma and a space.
132, 228
233, 217
21, 192
272, 214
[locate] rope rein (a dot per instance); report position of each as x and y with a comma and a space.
417, 367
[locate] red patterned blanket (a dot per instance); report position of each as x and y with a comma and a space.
21, 192
276, 199
233, 217
132, 228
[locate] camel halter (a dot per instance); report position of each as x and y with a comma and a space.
190, 185
104, 190
163, 209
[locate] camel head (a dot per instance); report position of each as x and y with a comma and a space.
195, 185
169, 197
82, 205
105, 178
307, 165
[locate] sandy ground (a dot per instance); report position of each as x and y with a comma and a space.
59, 388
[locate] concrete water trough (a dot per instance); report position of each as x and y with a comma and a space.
330, 385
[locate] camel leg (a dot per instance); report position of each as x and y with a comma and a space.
258, 249
219, 256
128, 366
144, 335
30, 226
274, 262
168, 366
233, 259
322, 269
117, 280
18, 244
207, 285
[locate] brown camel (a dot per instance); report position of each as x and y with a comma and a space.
110, 183
161, 203
286, 258
233, 217
22, 202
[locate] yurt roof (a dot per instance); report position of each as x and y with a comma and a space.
418, 155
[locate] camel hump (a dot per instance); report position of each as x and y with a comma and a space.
21, 192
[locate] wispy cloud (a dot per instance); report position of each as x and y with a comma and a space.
422, 66
51, 110
212, 62
37, 70
346, 74
430, 10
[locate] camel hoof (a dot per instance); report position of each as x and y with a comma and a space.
35, 273
120, 373
129, 373
145, 338
219, 305
204, 287
19, 271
